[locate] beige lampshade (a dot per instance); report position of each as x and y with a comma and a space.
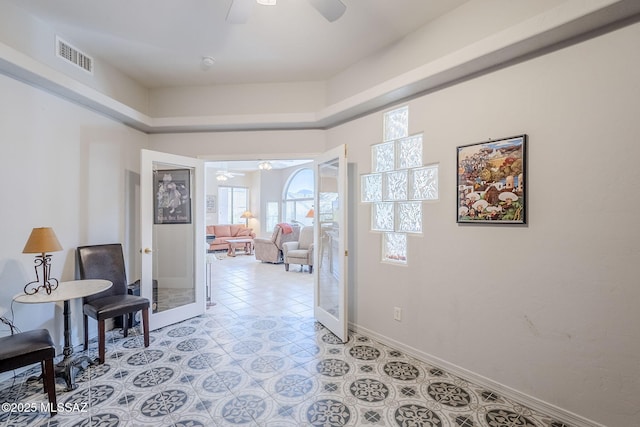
246, 214
42, 240
311, 213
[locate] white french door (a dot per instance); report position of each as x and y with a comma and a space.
330, 250
172, 236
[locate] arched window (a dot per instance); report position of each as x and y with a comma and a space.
298, 197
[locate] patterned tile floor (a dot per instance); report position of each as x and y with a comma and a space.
257, 358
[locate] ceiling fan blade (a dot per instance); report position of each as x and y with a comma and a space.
239, 11
330, 9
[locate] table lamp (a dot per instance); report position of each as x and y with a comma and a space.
41, 241
246, 215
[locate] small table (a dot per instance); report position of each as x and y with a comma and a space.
246, 244
67, 291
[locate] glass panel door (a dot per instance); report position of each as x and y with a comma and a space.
330, 237
172, 236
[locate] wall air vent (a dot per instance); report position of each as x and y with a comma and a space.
69, 53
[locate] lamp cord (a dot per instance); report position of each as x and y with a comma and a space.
10, 323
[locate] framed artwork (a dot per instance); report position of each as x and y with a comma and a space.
492, 181
172, 202
211, 204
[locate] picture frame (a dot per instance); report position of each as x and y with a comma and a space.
172, 196
491, 181
212, 206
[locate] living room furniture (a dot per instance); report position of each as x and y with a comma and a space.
66, 291
300, 252
27, 348
270, 250
223, 232
235, 244
107, 262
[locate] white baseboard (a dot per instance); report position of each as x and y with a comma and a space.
531, 402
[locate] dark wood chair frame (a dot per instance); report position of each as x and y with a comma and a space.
26, 348
107, 262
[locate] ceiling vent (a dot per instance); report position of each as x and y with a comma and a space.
69, 53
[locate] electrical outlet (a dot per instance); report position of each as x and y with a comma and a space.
397, 314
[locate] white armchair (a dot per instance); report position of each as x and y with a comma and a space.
300, 252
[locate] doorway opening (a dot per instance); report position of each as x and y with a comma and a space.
259, 193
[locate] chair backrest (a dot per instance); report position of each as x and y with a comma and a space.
289, 237
275, 236
103, 262
306, 237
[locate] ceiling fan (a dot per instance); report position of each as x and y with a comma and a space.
225, 175
241, 9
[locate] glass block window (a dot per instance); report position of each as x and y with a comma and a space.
371, 188
394, 247
383, 216
396, 123
409, 217
423, 183
409, 153
398, 184
395, 185
383, 157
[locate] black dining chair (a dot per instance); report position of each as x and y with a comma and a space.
107, 262
27, 348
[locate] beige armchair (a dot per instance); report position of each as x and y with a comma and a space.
300, 252
270, 250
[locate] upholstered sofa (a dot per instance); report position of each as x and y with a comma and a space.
270, 249
223, 232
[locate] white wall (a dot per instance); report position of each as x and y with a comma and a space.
238, 99
550, 309
62, 166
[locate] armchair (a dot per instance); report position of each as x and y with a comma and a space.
270, 250
300, 252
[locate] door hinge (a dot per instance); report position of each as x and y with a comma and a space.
346, 253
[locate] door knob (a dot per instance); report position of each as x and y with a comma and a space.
147, 251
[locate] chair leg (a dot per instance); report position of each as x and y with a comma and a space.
145, 326
85, 321
310, 269
125, 326
49, 379
44, 378
101, 341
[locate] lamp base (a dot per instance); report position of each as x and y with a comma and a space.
48, 284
